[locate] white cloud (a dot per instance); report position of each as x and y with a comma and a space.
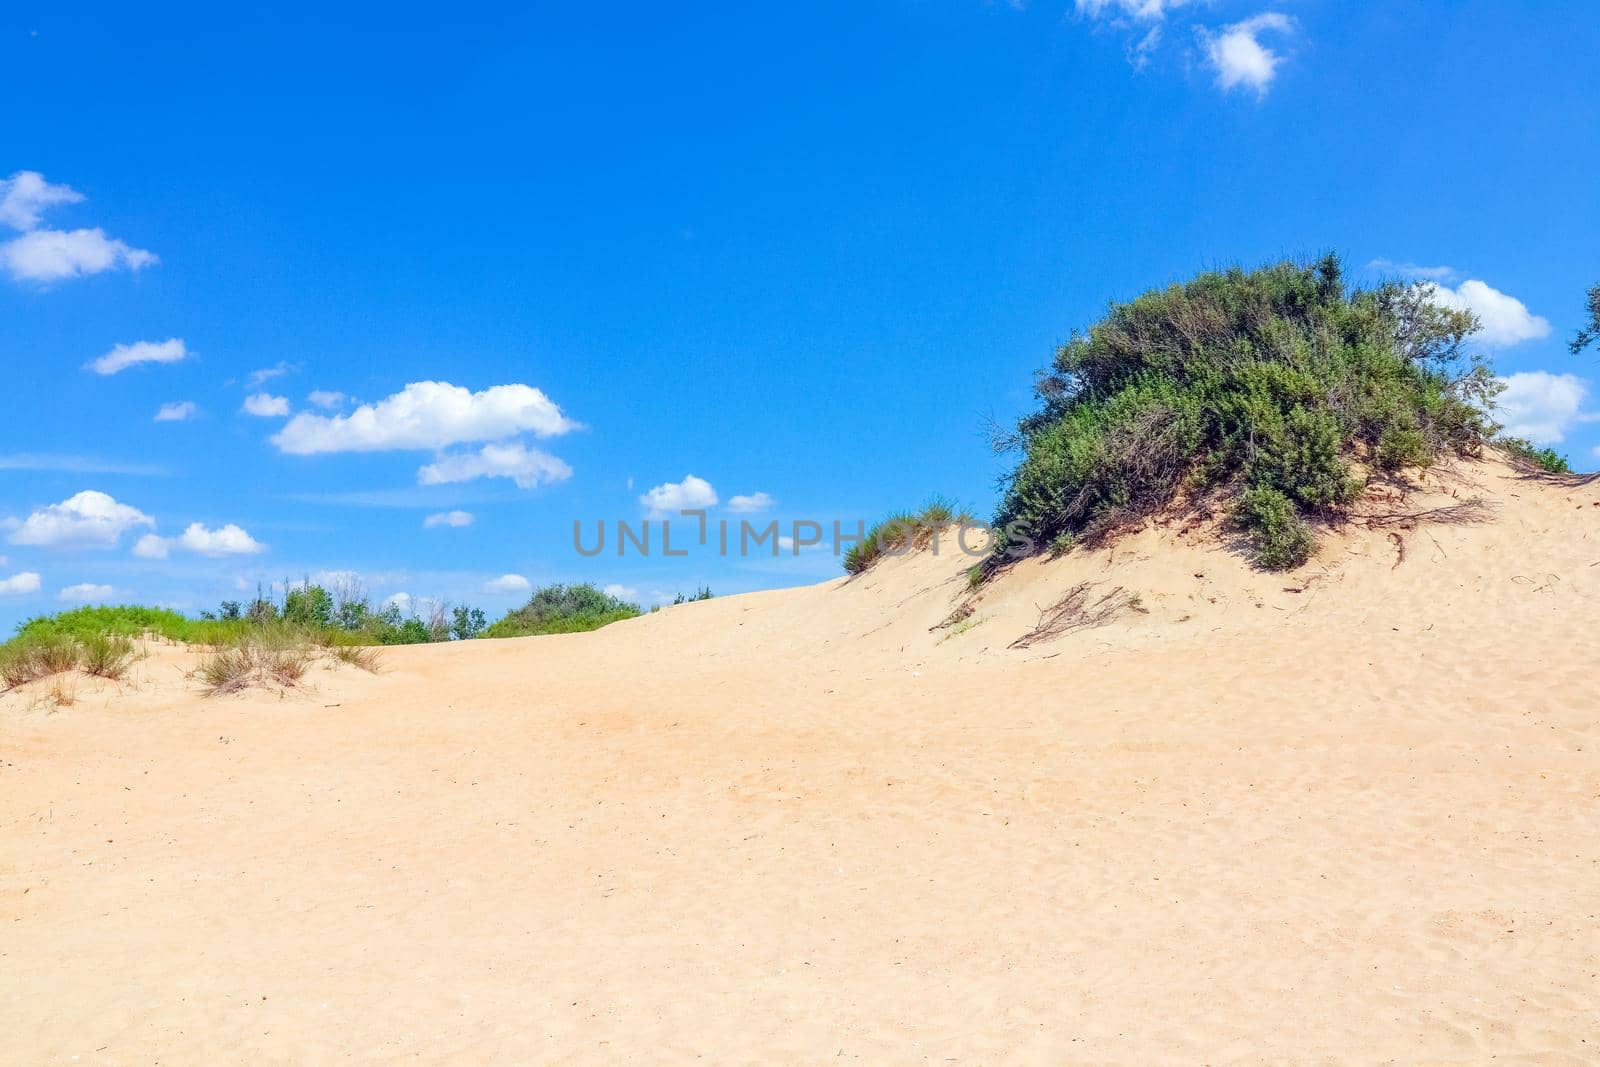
1506, 320
266, 406
121, 357
265, 374
177, 411
752, 502
87, 593
1141, 10
1239, 56
51, 255
88, 519
672, 497
507, 583
528, 467
19, 584
226, 540
622, 592
26, 194
151, 546
326, 398
448, 518
399, 600
1542, 406
427, 415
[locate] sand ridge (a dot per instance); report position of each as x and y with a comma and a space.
1347, 814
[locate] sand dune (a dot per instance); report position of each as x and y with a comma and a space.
1346, 814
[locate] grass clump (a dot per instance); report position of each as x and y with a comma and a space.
1524, 453
106, 655
902, 532
258, 660
563, 609
1278, 380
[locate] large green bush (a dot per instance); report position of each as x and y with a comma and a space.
1277, 379
563, 609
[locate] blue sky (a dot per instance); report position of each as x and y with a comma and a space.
794, 250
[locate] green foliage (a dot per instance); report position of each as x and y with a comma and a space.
902, 531
1274, 379
1523, 451
563, 609
468, 623
1590, 333
1277, 532
703, 593
310, 606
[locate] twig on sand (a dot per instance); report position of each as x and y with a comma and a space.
1076, 611
1465, 513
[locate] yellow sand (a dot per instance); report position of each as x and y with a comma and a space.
1348, 814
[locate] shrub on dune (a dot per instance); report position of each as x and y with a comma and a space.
562, 609
1278, 383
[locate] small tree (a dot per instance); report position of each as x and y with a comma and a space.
1589, 334
467, 623
308, 605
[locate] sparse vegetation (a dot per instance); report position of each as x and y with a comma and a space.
902, 531
1590, 333
563, 609
1276, 382
1523, 452
257, 660
106, 655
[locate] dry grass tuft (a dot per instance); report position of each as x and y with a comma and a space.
364, 657
107, 656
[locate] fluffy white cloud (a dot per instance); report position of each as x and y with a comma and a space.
1239, 57
19, 584
448, 518
528, 467
227, 540
622, 592
177, 411
87, 593
671, 497
26, 194
1542, 406
266, 406
751, 502
88, 519
121, 357
1506, 320
151, 546
326, 399
1142, 10
51, 255
427, 415
507, 583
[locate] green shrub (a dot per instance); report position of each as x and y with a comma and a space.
903, 529
1401, 447
563, 609
1275, 379
1278, 534
1523, 451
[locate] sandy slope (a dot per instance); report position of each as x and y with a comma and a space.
1348, 815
